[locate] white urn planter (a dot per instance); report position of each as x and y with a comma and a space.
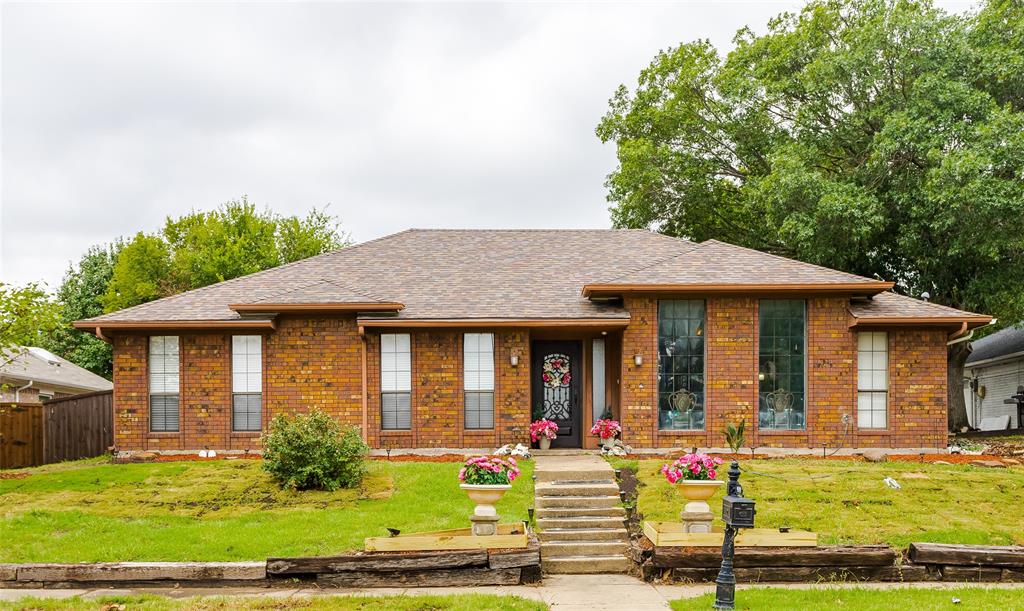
696, 515
697, 492
608, 442
544, 443
485, 515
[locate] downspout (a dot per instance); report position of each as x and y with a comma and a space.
958, 336
362, 365
17, 391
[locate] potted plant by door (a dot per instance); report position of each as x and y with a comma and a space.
542, 432
695, 475
486, 479
606, 429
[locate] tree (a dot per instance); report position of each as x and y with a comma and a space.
27, 317
880, 137
301, 238
142, 273
203, 248
80, 297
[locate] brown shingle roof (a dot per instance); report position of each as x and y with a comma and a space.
893, 307
487, 274
439, 274
714, 263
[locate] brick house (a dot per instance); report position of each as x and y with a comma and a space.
458, 339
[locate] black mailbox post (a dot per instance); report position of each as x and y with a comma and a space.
737, 512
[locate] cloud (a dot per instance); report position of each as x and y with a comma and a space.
397, 115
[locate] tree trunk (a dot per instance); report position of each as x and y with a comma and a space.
956, 356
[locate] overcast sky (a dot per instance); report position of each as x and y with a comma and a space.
396, 115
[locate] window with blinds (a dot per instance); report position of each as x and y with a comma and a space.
395, 381
246, 382
164, 380
872, 379
478, 374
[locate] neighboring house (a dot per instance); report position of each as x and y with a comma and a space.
433, 338
30, 375
994, 371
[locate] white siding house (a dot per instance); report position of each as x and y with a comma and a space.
993, 372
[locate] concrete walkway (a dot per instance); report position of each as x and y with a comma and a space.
560, 592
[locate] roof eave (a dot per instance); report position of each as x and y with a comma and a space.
845, 288
99, 328
494, 322
968, 322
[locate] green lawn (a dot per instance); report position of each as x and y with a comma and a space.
463, 602
864, 599
847, 502
91, 511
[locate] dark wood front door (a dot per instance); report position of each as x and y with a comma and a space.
557, 375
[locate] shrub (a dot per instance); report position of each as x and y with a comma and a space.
312, 451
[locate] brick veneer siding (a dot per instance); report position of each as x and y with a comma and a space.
316, 362
437, 392
917, 396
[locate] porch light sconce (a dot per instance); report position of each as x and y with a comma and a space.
638, 359
760, 377
514, 360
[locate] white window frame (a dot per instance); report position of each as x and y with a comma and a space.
395, 381
246, 383
873, 380
164, 369
478, 380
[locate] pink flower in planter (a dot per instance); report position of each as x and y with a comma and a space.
692, 467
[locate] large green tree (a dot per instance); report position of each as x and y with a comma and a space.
190, 251
881, 137
202, 248
79, 297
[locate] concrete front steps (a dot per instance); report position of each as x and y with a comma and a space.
579, 516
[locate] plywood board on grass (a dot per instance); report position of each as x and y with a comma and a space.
509, 536
671, 534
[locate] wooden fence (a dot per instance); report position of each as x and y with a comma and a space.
61, 429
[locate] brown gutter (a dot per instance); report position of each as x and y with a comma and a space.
362, 364
965, 322
869, 288
372, 306
494, 322
100, 328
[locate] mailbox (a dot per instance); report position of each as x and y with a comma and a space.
738, 511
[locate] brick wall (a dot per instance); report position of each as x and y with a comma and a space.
311, 363
918, 399
437, 392
317, 363
131, 416
639, 388
917, 390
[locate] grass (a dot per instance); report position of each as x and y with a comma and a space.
864, 599
846, 502
90, 511
462, 602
